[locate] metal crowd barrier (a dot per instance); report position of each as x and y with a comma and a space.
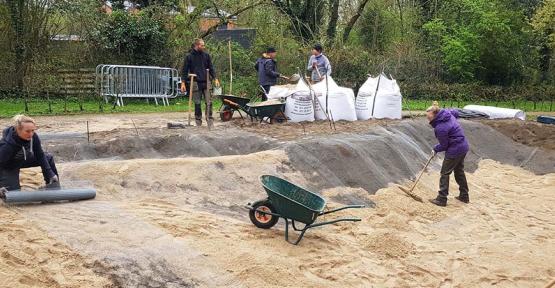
126, 81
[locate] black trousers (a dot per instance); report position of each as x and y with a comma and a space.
198, 95
9, 178
456, 166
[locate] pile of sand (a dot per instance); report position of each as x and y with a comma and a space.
29, 257
180, 221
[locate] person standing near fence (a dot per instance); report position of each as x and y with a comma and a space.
318, 64
197, 62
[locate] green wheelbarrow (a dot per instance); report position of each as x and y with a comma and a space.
292, 203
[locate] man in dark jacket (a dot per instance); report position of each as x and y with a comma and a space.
20, 147
452, 141
266, 67
196, 62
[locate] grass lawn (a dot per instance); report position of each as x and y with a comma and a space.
526, 106
8, 108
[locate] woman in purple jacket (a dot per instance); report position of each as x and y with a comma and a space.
451, 139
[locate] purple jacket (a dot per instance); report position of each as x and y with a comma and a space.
449, 133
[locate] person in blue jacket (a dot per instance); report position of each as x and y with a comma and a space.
20, 147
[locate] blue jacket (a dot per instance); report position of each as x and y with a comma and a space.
449, 133
267, 71
14, 151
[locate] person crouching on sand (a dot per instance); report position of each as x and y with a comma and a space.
452, 141
20, 147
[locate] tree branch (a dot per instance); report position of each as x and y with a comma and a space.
354, 20
225, 20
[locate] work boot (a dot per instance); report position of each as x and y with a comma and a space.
198, 122
439, 201
463, 198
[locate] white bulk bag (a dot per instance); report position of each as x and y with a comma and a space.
388, 103
298, 107
341, 101
496, 112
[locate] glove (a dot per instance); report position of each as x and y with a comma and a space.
183, 88
433, 153
3, 191
217, 82
53, 180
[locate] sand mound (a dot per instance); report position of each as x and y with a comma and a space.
159, 144
187, 228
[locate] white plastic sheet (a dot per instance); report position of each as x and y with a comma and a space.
498, 113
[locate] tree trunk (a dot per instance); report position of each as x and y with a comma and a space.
401, 17
334, 16
354, 20
16, 9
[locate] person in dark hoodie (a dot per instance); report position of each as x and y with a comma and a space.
196, 62
266, 66
452, 141
20, 147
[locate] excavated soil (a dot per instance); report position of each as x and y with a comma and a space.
526, 132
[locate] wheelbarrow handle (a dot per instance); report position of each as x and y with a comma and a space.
306, 227
342, 208
231, 103
335, 221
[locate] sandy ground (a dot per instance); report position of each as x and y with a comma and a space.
503, 238
180, 222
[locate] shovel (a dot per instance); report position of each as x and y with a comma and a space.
408, 191
173, 125
190, 98
208, 101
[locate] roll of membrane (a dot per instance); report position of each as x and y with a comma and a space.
57, 195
